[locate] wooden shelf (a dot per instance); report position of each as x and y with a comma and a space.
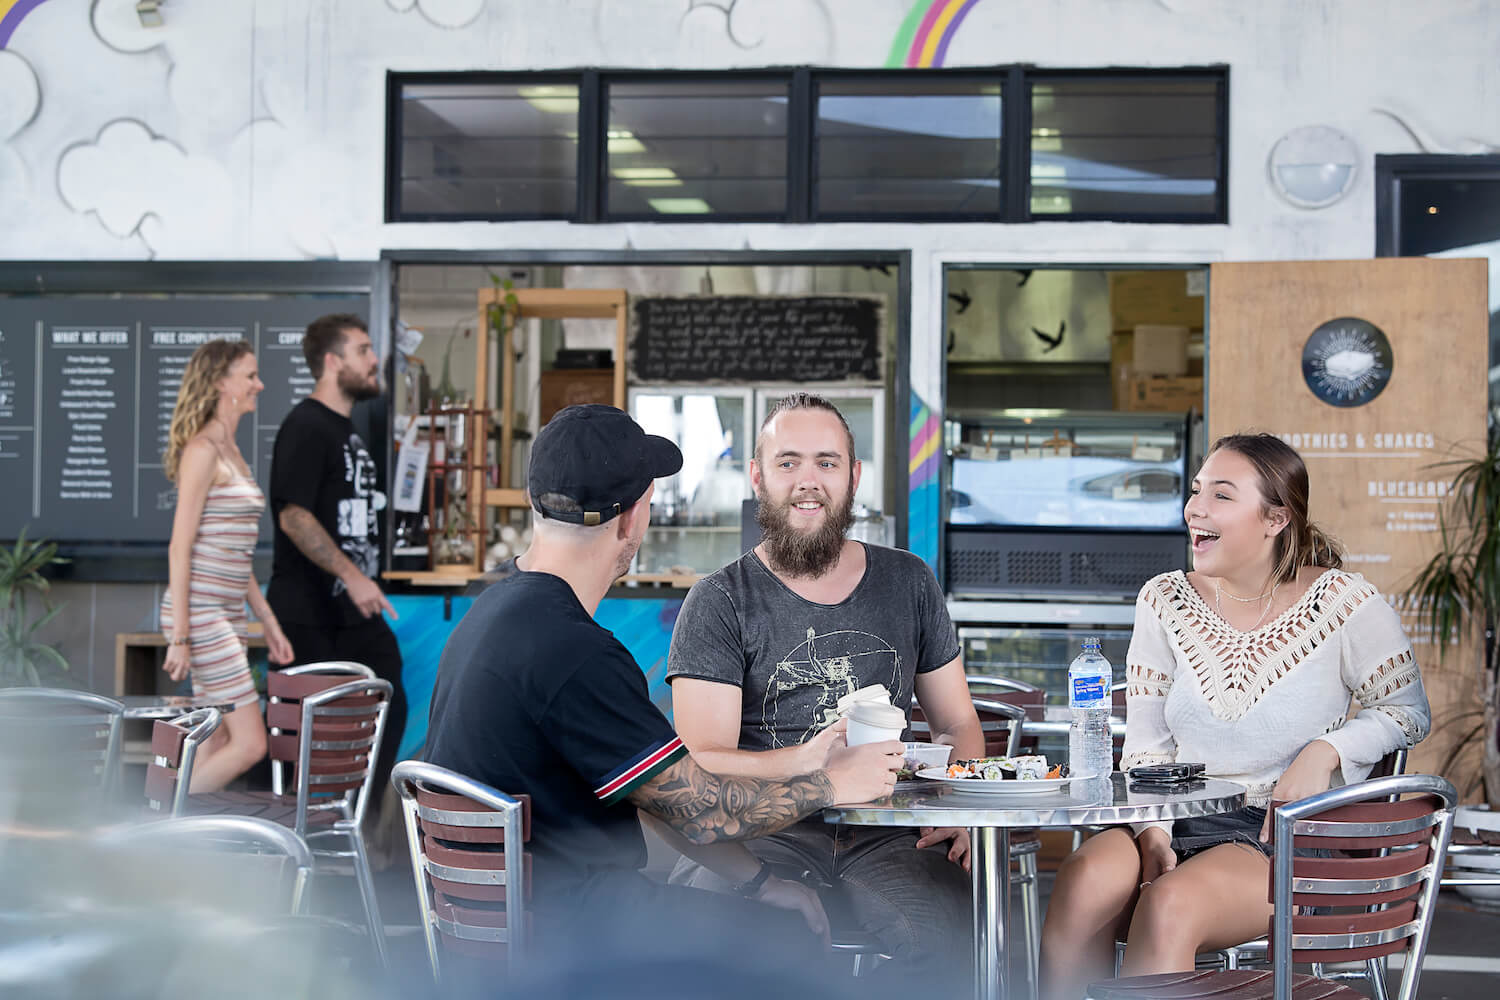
460, 577
501, 497
682, 580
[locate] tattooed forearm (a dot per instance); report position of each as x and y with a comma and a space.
313, 541
705, 807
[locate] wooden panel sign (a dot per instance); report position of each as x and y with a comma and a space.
733, 339
1376, 371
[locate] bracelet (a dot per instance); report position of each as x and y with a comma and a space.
178, 642
751, 887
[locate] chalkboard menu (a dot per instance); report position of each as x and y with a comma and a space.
87, 388
756, 338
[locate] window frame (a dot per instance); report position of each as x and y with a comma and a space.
394, 137
1219, 75
592, 177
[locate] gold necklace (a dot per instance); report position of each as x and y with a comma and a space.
1219, 605
1245, 600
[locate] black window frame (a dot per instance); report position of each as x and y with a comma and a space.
1015, 81
1392, 169
1218, 75
1002, 76
396, 82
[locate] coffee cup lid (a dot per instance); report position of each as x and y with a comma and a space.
873, 713
871, 693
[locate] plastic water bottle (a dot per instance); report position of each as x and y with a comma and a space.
1090, 747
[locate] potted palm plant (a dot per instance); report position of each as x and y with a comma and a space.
1460, 588
25, 660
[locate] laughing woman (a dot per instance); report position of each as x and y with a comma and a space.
1246, 664
213, 536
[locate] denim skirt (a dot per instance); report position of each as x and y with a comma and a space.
1198, 834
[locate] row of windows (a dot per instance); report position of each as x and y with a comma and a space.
1005, 145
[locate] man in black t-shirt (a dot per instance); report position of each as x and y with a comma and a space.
326, 503
533, 696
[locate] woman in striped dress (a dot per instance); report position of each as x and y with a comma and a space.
213, 536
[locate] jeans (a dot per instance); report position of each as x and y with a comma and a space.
917, 903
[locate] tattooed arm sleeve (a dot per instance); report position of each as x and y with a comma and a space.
705, 807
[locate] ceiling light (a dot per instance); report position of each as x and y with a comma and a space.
680, 206
1432, 210
643, 173
622, 140
550, 99
655, 182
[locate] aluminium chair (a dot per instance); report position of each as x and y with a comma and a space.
327, 728
472, 872
61, 750
238, 834
1375, 898
174, 749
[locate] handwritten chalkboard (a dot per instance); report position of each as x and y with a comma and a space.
757, 338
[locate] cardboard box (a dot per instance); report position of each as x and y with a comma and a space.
570, 386
1159, 350
1160, 298
1163, 393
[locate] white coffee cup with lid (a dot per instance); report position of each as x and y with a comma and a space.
875, 693
871, 722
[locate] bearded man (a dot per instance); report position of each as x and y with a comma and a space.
764, 648
326, 506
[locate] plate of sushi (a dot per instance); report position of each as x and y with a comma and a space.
1025, 775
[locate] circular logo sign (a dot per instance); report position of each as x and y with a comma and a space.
1347, 361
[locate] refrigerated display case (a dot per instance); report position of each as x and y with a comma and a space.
1048, 502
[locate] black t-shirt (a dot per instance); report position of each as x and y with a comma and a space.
321, 465
534, 697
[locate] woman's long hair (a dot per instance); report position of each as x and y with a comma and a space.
1283, 484
198, 397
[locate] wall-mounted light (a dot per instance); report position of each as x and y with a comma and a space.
1313, 166
149, 12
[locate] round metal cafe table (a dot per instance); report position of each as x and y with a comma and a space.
991, 816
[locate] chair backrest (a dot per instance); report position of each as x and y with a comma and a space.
328, 728
473, 877
174, 747
60, 739
1376, 896
239, 834
1031, 700
1000, 722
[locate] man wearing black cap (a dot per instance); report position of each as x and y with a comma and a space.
533, 696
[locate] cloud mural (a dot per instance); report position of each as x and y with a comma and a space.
443, 13
20, 95
137, 183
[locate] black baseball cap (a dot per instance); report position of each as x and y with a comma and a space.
598, 457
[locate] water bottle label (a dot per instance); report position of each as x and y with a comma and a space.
1087, 691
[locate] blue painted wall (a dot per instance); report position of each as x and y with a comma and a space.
643, 625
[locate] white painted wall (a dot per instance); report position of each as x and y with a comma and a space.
252, 129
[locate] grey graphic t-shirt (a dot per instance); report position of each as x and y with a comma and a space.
793, 659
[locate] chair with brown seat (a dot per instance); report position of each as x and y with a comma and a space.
473, 876
174, 748
1374, 899
327, 727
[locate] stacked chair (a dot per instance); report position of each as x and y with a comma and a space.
174, 748
326, 722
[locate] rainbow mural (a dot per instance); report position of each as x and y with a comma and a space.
923, 38
12, 13
922, 511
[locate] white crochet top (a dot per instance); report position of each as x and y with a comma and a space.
1246, 703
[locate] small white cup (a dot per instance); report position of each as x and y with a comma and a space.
871, 693
872, 722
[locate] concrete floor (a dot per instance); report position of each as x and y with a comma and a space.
1462, 962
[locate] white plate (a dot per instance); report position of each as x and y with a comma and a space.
1004, 786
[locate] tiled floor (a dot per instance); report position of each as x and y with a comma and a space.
1463, 954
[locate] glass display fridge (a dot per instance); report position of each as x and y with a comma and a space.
1043, 503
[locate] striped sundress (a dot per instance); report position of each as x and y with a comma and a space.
216, 592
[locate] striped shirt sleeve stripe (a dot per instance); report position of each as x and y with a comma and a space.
630, 777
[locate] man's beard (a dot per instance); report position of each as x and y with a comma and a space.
357, 388
798, 554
